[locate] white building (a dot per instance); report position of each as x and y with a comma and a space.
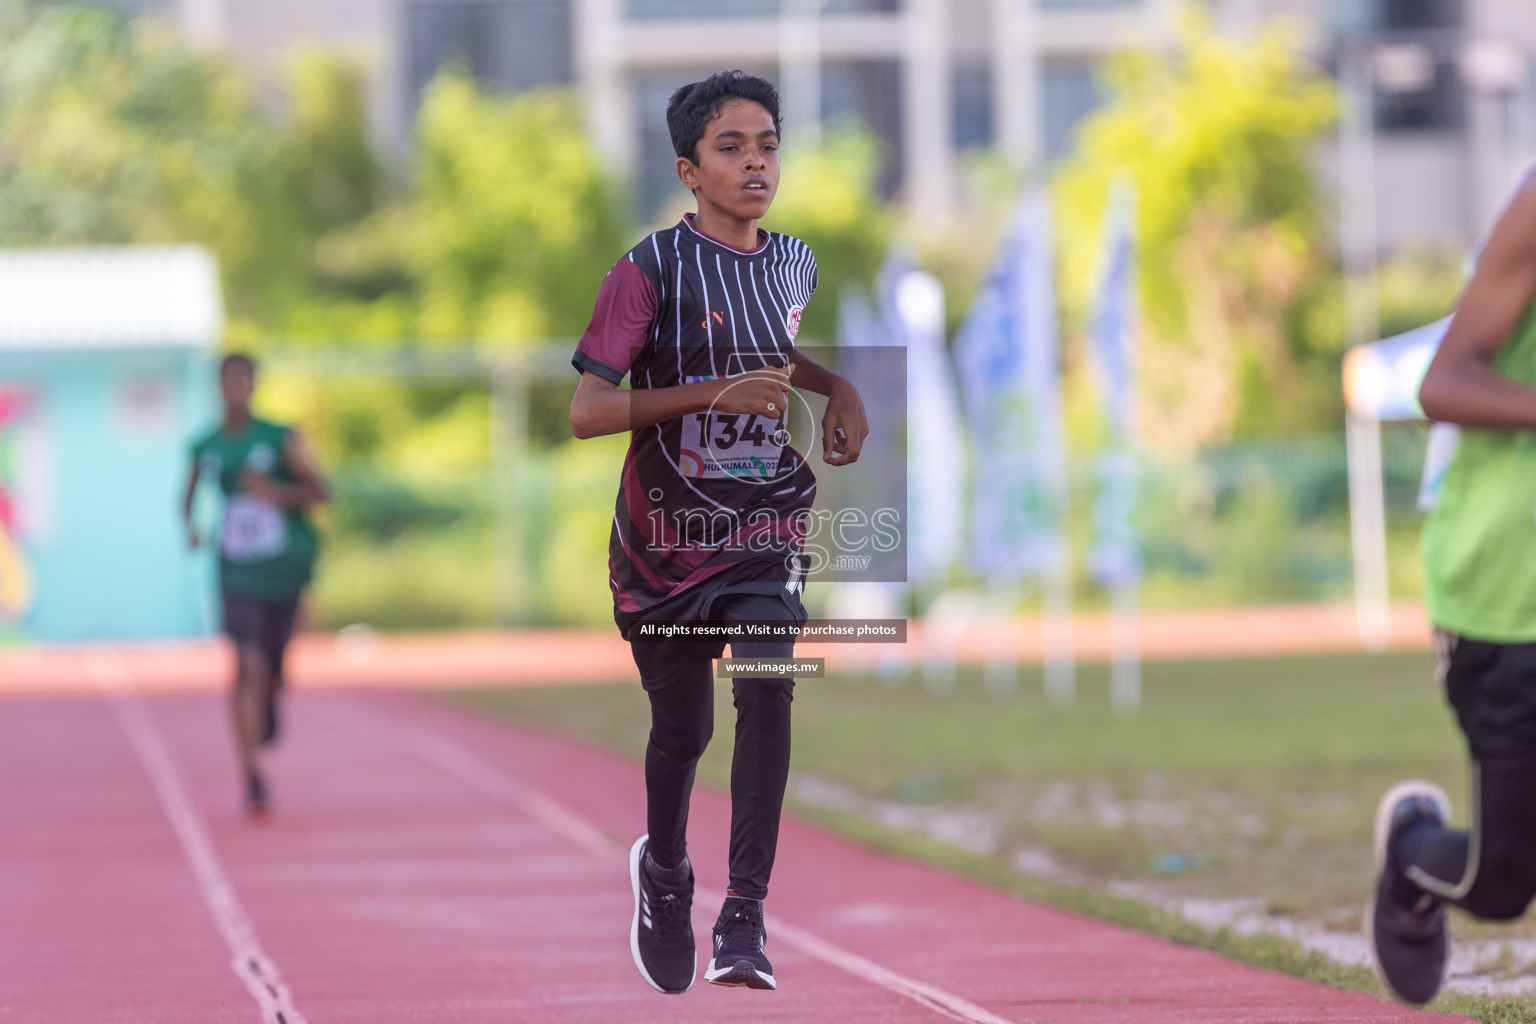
933, 77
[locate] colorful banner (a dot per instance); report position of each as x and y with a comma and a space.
16, 585
1115, 556
1007, 352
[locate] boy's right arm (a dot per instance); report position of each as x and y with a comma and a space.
194, 536
1461, 385
601, 407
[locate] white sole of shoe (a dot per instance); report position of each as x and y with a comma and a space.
739, 975
1389, 801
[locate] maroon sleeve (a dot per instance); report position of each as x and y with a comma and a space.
621, 323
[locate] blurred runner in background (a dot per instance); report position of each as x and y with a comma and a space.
1479, 554
266, 554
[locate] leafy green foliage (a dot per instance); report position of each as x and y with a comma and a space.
1217, 138
513, 222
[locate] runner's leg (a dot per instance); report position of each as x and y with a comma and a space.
760, 764
1490, 869
246, 623
277, 631
676, 677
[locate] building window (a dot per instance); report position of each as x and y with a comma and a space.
1069, 92
868, 93
1439, 106
641, 10
1066, 5
971, 87
1405, 15
511, 44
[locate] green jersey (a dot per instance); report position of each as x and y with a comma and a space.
1479, 543
265, 551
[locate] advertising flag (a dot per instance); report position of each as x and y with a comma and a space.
1115, 557
1010, 369
912, 310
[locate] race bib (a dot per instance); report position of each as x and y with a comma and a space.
717, 445
254, 529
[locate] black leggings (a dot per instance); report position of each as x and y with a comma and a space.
678, 679
1489, 870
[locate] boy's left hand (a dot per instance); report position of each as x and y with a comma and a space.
843, 426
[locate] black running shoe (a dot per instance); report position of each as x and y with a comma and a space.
739, 937
256, 800
1405, 926
661, 934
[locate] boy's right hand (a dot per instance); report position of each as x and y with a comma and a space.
762, 392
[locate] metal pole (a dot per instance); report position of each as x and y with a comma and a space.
1000, 675
1056, 624
1125, 639
800, 69
509, 449
1367, 503
1368, 531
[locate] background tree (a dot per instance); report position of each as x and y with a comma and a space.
1238, 293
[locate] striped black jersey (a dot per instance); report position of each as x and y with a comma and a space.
710, 498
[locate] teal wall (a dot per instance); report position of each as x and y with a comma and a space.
105, 466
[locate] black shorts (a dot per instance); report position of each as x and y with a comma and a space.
1492, 687
264, 625
704, 601
662, 662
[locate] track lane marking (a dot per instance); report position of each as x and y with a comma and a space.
457, 760
250, 964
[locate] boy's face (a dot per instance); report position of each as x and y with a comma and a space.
738, 168
236, 383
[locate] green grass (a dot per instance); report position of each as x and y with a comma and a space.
1262, 775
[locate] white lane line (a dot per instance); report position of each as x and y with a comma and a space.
936, 999
250, 964
463, 765
480, 775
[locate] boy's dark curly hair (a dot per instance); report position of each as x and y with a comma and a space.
696, 104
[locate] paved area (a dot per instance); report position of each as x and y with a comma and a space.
425, 865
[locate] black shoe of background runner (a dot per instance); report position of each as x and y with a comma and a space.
661, 934
256, 800
739, 938
1405, 926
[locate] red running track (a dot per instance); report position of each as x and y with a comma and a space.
424, 865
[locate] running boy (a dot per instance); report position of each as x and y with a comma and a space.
266, 554
1480, 586
708, 524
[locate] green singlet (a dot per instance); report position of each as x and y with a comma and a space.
265, 551
1479, 543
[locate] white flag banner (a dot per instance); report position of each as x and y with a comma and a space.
1008, 356
912, 309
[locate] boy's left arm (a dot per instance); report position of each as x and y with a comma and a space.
308, 487
844, 425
